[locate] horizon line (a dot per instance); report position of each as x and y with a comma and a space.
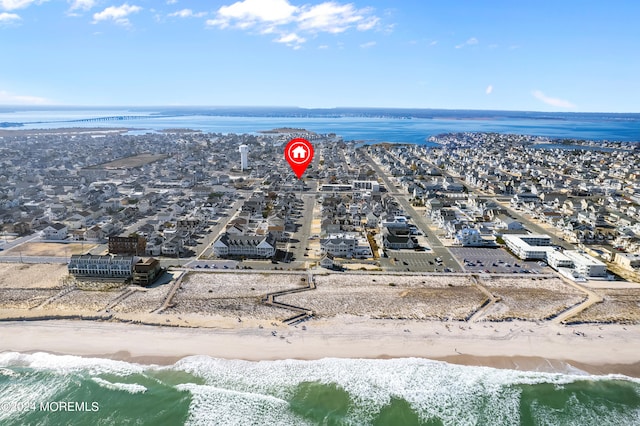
44, 106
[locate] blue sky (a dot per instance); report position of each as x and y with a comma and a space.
513, 55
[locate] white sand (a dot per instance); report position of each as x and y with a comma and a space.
351, 337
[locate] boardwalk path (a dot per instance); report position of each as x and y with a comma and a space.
301, 314
592, 299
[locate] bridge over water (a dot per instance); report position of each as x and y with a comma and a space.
113, 118
88, 120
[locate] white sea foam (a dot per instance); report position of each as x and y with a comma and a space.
127, 387
68, 363
8, 373
236, 390
595, 413
26, 392
456, 394
211, 405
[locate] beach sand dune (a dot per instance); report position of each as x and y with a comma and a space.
390, 297
26, 275
529, 299
618, 305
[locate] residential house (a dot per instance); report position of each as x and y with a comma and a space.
346, 245
503, 221
398, 240
95, 233
55, 231
253, 246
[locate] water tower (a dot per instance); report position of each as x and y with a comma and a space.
244, 157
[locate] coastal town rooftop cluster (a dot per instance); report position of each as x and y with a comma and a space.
186, 194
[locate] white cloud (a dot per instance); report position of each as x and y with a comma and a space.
18, 4
187, 13
368, 24
469, 42
433, 43
247, 13
117, 14
288, 38
9, 18
7, 98
282, 17
560, 103
172, 1
489, 89
335, 18
368, 44
291, 40
323, 46
81, 4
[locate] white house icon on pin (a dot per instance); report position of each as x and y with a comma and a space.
299, 153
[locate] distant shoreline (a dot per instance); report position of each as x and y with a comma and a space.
63, 130
286, 130
349, 123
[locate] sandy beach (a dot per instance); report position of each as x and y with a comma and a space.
493, 321
518, 344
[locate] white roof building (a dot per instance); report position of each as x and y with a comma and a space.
586, 265
529, 246
557, 259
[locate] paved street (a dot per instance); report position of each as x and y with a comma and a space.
304, 231
528, 223
537, 229
419, 220
7, 245
34, 259
203, 249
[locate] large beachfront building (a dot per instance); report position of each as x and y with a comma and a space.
629, 261
98, 266
585, 265
145, 272
529, 246
346, 245
256, 246
557, 259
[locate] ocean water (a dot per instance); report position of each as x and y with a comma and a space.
409, 126
45, 389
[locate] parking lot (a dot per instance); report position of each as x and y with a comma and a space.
212, 264
414, 261
494, 260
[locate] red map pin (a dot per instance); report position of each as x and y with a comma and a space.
299, 154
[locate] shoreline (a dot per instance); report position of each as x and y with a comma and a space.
536, 347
